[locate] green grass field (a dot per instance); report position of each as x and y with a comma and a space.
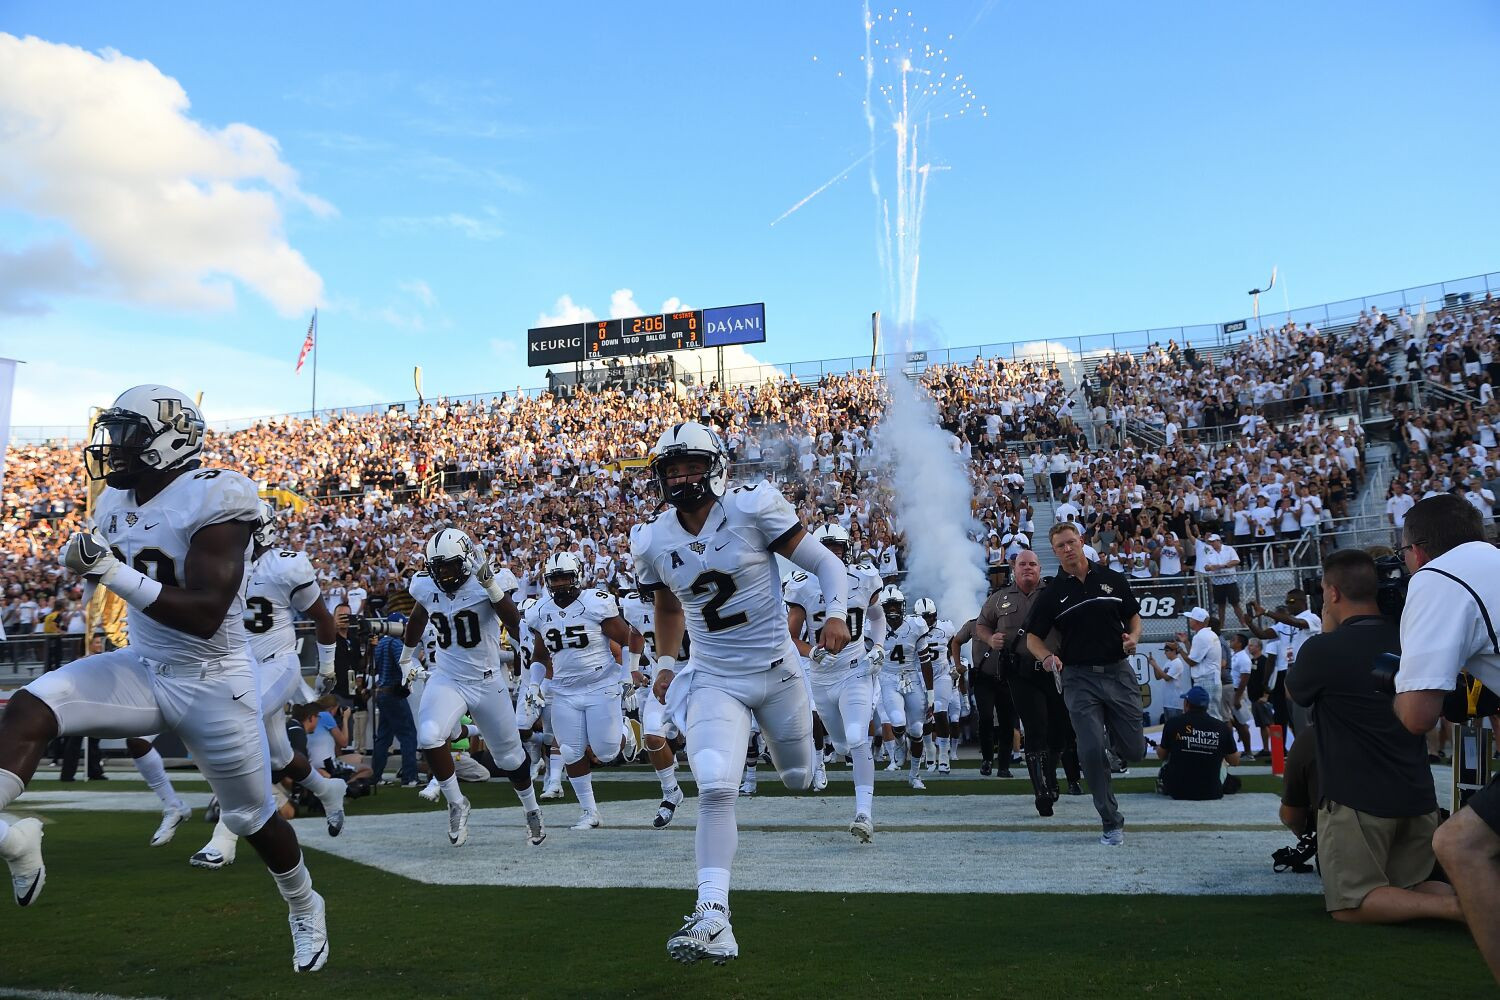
121, 919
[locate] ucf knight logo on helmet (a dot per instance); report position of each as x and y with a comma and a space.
182, 420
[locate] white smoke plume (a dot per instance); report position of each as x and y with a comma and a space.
932, 501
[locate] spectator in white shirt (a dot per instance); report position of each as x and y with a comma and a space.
1204, 658
1221, 563
1175, 676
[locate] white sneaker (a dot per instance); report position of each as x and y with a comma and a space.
916, 781
1113, 838
212, 858
535, 833
863, 828
431, 792
333, 806
706, 934
588, 821
309, 938
171, 818
667, 809
22, 850
458, 822
820, 778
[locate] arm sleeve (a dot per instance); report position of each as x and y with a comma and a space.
1440, 630
876, 630
640, 550
303, 584
833, 580
233, 498
773, 516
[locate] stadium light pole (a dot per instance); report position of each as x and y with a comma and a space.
1255, 294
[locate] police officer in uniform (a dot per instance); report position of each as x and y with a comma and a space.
1034, 692
988, 682
1097, 616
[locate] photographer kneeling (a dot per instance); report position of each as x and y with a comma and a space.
1377, 810
1448, 626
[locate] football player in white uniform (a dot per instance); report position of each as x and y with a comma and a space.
172, 540
710, 561
945, 696
282, 583
571, 631
843, 685
467, 602
905, 681
657, 727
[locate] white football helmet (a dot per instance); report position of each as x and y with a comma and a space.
691, 440
450, 554
265, 525
833, 535
924, 607
562, 574
893, 603
148, 428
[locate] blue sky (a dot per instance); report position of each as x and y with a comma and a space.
459, 171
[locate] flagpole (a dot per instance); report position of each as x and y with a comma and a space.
315, 364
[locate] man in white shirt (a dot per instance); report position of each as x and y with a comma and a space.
1480, 499
1447, 627
1174, 674
1204, 657
1221, 562
1397, 506
1291, 627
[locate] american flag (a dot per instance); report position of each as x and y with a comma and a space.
309, 341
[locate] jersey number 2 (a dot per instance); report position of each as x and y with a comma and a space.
723, 586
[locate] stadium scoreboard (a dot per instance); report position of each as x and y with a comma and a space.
630, 338
636, 336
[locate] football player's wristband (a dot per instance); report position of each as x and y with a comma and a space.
133, 587
664, 663
494, 591
325, 658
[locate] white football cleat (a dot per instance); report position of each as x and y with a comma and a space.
667, 809
748, 786
212, 858
458, 822
22, 850
431, 792
706, 934
535, 833
820, 778
333, 806
552, 791
943, 767
863, 828
916, 781
309, 938
894, 765
588, 821
171, 818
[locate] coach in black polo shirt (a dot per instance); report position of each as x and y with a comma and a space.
1099, 621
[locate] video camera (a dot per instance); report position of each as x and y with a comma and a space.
1390, 597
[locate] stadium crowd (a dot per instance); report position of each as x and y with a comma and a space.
1150, 454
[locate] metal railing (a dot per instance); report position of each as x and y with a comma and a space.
1047, 349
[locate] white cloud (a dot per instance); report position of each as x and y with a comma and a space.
565, 310
622, 304
482, 229
166, 211
419, 290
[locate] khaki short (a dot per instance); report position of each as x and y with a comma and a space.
1359, 853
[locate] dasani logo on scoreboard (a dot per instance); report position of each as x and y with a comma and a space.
734, 325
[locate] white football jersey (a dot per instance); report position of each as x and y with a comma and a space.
934, 649
725, 577
803, 591
581, 660
903, 646
154, 538
468, 627
280, 581
642, 617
